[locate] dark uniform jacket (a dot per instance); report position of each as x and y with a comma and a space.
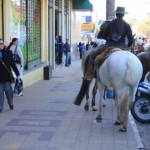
113, 38
67, 47
7, 58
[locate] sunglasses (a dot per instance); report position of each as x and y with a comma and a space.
1, 43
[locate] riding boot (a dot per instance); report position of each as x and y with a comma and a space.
89, 73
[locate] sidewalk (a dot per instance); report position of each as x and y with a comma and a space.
45, 118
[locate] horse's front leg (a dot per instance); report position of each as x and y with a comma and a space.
86, 107
94, 107
101, 92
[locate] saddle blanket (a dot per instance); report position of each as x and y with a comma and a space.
104, 55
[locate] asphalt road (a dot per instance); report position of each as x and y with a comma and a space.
144, 130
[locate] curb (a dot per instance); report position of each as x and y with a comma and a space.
136, 133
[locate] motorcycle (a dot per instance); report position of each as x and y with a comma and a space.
141, 107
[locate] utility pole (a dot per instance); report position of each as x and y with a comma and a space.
110, 8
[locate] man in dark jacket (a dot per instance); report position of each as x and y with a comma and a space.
114, 34
67, 52
6, 63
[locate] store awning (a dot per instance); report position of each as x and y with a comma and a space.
82, 5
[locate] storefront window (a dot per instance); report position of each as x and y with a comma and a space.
34, 30
18, 23
25, 23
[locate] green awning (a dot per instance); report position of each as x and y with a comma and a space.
83, 5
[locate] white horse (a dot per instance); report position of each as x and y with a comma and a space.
122, 70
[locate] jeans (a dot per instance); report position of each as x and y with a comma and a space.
67, 58
6, 87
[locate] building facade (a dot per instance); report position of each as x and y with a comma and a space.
36, 23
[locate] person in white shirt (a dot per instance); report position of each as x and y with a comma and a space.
140, 41
18, 56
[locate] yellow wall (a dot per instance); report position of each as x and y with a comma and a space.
33, 77
44, 29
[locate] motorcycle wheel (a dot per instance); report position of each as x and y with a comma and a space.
141, 109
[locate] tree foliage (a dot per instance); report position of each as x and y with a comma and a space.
144, 28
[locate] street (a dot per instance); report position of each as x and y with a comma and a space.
45, 118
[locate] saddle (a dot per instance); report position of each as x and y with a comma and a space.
104, 55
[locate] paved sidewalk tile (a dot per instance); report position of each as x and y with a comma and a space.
45, 118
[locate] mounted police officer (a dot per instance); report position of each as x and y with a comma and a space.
115, 34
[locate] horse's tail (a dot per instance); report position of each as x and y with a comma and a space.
82, 92
132, 71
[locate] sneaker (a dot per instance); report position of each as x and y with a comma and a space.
67, 66
11, 107
21, 94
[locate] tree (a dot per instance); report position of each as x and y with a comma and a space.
144, 27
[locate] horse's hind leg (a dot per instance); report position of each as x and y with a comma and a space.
101, 92
94, 108
126, 103
118, 93
86, 107
124, 107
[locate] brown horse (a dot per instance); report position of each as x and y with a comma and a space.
145, 60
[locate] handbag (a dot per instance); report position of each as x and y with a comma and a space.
12, 79
16, 57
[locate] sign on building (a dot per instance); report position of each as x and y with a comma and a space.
87, 27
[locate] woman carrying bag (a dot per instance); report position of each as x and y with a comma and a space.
6, 77
18, 58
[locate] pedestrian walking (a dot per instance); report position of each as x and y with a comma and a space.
87, 46
6, 77
60, 50
18, 58
80, 49
67, 52
56, 51
83, 47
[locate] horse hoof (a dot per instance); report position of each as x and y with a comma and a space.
94, 108
123, 130
117, 123
99, 118
86, 107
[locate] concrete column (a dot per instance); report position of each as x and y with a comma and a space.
1, 19
67, 32
69, 21
110, 8
50, 34
44, 31
62, 22
6, 21
53, 34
